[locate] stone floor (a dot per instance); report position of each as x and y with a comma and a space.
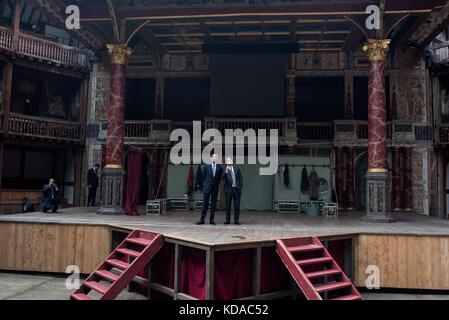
15, 286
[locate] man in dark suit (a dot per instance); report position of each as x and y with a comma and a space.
211, 184
50, 198
233, 190
92, 184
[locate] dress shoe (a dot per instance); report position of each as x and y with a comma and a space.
199, 223
212, 222
227, 222
237, 223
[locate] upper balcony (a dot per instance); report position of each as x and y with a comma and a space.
39, 49
31, 127
336, 133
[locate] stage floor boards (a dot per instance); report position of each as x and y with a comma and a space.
257, 226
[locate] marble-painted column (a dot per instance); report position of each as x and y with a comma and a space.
396, 179
378, 175
408, 181
113, 173
350, 189
339, 166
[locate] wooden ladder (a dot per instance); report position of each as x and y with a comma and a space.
121, 267
315, 271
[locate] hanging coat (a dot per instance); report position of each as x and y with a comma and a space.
199, 179
286, 176
190, 181
304, 181
314, 192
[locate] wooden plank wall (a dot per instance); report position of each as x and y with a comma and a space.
10, 200
405, 262
51, 247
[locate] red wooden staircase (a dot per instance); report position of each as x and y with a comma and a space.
120, 268
315, 271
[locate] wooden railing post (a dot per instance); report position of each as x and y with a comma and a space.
7, 92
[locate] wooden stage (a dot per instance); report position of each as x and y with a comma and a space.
412, 253
256, 226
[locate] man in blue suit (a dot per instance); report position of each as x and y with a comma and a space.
211, 184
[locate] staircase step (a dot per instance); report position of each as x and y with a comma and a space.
323, 273
306, 262
306, 248
348, 297
128, 252
80, 296
139, 241
332, 286
96, 286
108, 275
117, 263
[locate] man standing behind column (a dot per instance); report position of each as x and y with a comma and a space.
233, 189
211, 184
92, 184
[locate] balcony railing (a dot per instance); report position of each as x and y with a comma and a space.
315, 131
245, 124
5, 39
44, 128
38, 48
439, 52
137, 129
339, 132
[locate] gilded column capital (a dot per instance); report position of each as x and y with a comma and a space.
119, 53
377, 50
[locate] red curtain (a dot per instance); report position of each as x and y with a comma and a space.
233, 274
193, 273
133, 181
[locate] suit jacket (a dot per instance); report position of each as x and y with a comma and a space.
50, 195
211, 183
228, 180
92, 178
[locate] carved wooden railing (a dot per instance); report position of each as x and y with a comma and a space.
5, 39
45, 128
290, 131
439, 52
249, 123
137, 129
315, 131
39, 48
188, 126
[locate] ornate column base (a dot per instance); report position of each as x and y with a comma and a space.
112, 193
377, 203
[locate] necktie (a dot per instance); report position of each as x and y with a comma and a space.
233, 177
213, 170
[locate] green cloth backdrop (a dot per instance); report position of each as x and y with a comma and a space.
260, 191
